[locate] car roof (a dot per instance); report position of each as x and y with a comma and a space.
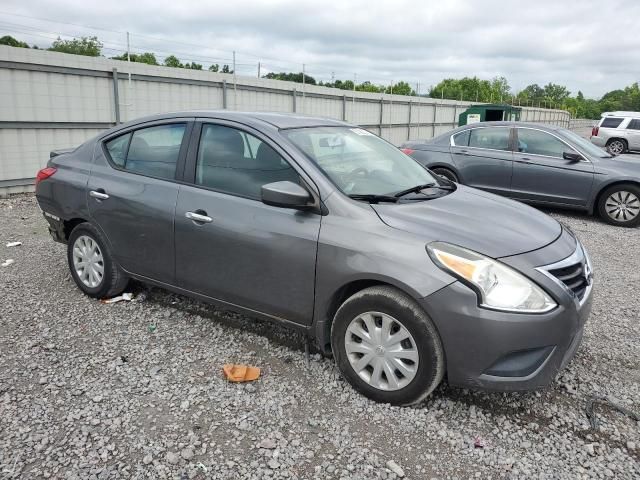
511, 124
275, 119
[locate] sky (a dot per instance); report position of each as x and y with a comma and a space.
586, 45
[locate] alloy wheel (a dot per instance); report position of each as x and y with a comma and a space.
616, 147
622, 206
88, 261
381, 351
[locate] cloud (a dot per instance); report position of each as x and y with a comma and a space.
573, 43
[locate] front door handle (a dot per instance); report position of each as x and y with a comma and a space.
99, 194
198, 217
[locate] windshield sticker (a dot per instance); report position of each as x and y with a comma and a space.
361, 131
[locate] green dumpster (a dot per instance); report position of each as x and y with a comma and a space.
489, 113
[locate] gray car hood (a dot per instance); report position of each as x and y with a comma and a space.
480, 221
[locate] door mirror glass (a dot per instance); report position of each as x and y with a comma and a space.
285, 194
572, 156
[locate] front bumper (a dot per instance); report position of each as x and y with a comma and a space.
495, 350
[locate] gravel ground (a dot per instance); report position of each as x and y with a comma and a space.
134, 390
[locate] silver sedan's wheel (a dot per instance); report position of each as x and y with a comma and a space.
622, 206
616, 147
88, 261
381, 351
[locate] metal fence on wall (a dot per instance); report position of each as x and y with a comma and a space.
51, 100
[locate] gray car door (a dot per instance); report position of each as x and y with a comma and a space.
483, 157
229, 245
132, 194
541, 174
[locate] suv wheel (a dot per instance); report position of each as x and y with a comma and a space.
616, 146
91, 263
620, 205
387, 347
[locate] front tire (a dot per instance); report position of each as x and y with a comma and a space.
91, 263
387, 347
620, 205
616, 146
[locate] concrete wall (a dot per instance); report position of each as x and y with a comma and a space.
52, 100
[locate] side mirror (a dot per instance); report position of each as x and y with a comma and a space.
572, 156
285, 194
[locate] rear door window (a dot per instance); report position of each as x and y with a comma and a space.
611, 122
151, 151
493, 138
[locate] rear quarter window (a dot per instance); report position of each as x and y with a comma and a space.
118, 149
634, 124
611, 122
461, 139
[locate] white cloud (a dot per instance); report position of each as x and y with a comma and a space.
574, 43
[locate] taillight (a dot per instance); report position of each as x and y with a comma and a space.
594, 131
408, 151
45, 173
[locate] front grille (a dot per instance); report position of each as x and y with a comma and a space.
574, 277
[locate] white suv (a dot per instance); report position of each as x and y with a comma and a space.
618, 132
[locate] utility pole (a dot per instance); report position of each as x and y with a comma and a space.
303, 102
129, 100
235, 83
259, 69
353, 112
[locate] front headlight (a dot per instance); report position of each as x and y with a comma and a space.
499, 287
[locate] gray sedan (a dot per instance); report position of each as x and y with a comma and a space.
404, 276
537, 164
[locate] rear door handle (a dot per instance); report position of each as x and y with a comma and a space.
99, 194
198, 217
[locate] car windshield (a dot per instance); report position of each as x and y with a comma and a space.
359, 162
585, 145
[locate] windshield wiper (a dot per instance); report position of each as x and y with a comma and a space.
419, 188
373, 198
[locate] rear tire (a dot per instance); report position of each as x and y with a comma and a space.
620, 205
446, 173
91, 263
617, 146
366, 340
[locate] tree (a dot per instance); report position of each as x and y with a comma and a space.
291, 77
400, 88
193, 66
555, 93
214, 68
225, 69
172, 61
471, 88
12, 42
147, 57
88, 46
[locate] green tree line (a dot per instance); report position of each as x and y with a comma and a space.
547, 96
496, 90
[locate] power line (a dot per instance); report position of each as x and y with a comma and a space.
121, 48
